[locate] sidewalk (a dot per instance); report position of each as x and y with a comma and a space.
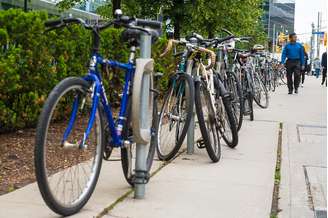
239, 186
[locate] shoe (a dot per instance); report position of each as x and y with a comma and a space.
290, 92
296, 91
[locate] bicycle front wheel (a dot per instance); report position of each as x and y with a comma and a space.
207, 121
175, 116
66, 169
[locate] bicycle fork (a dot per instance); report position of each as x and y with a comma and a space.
81, 144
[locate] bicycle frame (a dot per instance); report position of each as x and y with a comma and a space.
99, 94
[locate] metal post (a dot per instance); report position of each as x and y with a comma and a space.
269, 17
273, 37
318, 35
142, 150
312, 43
191, 129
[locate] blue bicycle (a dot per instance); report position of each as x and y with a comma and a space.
77, 128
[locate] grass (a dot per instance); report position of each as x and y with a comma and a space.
277, 177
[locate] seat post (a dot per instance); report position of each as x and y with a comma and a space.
95, 41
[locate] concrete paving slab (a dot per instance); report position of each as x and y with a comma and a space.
27, 202
304, 144
240, 185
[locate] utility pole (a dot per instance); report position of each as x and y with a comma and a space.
273, 38
269, 18
312, 43
318, 35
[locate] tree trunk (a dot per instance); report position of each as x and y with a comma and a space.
210, 32
177, 28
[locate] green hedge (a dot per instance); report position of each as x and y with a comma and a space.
32, 62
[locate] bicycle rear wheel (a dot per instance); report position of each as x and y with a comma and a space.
248, 105
207, 121
228, 127
127, 151
261, 96
236, 94
66, 171
175, 116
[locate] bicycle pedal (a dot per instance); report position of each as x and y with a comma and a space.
200, 143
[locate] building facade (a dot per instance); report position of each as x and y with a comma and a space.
86, 10
278, 17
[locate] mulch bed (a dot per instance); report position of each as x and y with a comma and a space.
16, 160
17, 155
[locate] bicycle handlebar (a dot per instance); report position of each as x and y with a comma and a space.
197, 48
125, 21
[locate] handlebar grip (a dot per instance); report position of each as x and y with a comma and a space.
149, 23
52, 23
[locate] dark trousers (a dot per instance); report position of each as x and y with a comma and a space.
324, 76
293, 69
303, 76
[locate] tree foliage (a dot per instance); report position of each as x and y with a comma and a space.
242, 17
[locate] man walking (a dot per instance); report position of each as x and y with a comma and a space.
294, 53
324, 68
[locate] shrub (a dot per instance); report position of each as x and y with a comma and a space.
32, 62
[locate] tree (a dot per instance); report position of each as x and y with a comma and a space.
242, 17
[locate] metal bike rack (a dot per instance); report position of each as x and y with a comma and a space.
191, 129
141, 121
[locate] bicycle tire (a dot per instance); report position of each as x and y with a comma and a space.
228, 115
258, 88
186, 97
126, 152
232, 79
214, 153
249, 101
40, 157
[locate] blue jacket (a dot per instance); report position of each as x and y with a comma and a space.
293, 51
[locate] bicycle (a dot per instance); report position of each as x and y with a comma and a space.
176, 112
243, 70
227, 75
71, 142
261, 95
212, 102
